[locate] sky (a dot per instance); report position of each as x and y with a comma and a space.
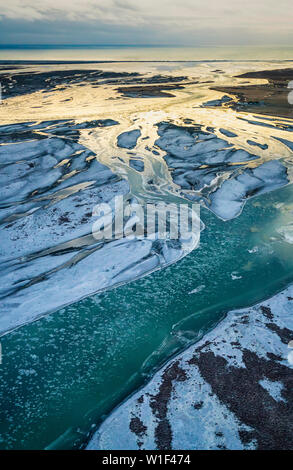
147, 22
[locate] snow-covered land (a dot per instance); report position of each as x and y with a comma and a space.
208, 167
49, 258
231, 390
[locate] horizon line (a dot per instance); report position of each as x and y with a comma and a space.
11, 45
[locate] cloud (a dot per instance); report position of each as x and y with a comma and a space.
164, 20
72, 10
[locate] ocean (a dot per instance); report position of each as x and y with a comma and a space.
143, 53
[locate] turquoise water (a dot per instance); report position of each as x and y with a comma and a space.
63, 373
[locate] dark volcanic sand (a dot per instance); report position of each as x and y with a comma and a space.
269, 99
149, 91
16, 82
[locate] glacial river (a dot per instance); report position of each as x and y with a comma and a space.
62, 374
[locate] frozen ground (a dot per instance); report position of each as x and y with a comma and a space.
49, 257
50, 183
210, 169
232, 390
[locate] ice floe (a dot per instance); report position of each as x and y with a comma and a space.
128, 139
228, 201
